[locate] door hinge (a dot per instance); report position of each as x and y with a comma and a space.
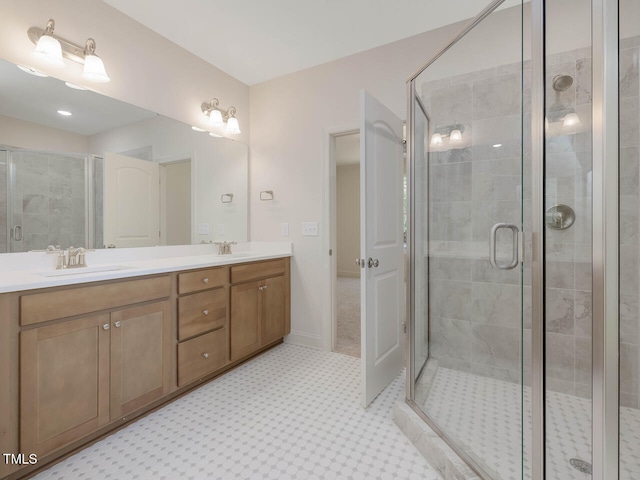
404, 327
330, 251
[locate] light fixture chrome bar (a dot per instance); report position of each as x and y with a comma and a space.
537, 240
605, 240
69, 49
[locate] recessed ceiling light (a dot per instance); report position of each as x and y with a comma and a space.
64, 113
215, 135
198, 129
74, 86
32, 71
497, 145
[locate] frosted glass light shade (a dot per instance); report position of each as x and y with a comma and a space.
215, 118
48, 50
233, 127
94, 69
456, 137
436, 140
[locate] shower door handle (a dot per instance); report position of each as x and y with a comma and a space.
17, 233
492, 246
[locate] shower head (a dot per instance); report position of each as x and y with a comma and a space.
562, 82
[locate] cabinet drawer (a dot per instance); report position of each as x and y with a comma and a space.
255, 271
41, 307
202, 280
201, 356
201, 312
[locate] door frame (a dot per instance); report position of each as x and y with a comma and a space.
329, 240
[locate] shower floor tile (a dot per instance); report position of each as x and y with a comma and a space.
291, 413
483, 416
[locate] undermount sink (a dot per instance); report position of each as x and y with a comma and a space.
78, 271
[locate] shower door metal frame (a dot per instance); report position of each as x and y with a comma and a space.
606, 241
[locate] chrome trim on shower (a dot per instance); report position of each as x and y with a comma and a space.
493, 246
410, 307
605, 240
537, 239
467, 28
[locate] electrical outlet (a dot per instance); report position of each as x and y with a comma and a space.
284, 229
310, 229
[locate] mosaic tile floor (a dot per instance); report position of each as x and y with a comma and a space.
292, 413
483, 416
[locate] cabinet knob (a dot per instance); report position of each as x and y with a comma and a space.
205, 355
206, 312
105, 326
260, 288
265, 287
205, 280
117, 324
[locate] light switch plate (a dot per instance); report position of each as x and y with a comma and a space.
310, 229
221, 229
284, 229
203, 229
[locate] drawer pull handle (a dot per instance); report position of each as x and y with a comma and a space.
117, 324
105, 326
205, 355
206, 312
205, 280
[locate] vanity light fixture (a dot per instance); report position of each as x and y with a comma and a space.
221, 118
453, 131
51, 49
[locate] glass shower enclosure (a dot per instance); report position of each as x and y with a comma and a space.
523, 186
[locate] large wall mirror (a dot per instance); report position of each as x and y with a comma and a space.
109, 174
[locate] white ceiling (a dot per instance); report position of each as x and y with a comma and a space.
38, 99
257, 40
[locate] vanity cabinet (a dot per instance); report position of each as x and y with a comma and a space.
80, 373
260, 312
202, 323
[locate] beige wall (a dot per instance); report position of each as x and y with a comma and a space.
146, 69
290, 120
177, 192
22, 134
348, 219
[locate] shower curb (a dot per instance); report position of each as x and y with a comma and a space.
437, 453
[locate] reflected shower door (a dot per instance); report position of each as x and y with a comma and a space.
48, 200
467, 284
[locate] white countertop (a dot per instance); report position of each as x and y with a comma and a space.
28, 271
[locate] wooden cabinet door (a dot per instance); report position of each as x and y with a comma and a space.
64, 383
245, 319
140, 356
273, 309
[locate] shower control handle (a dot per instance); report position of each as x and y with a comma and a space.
373, 262
493, 246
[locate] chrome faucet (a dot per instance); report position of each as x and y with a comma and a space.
224, 248
71, 258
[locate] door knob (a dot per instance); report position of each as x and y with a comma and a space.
360, 262
373, 262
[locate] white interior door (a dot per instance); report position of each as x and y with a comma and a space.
381, 227
131, 201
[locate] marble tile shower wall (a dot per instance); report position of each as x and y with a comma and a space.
474, 309
629, 221
48, 200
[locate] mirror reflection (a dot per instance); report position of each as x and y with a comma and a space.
110, 174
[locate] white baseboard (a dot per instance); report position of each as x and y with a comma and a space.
304, 339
